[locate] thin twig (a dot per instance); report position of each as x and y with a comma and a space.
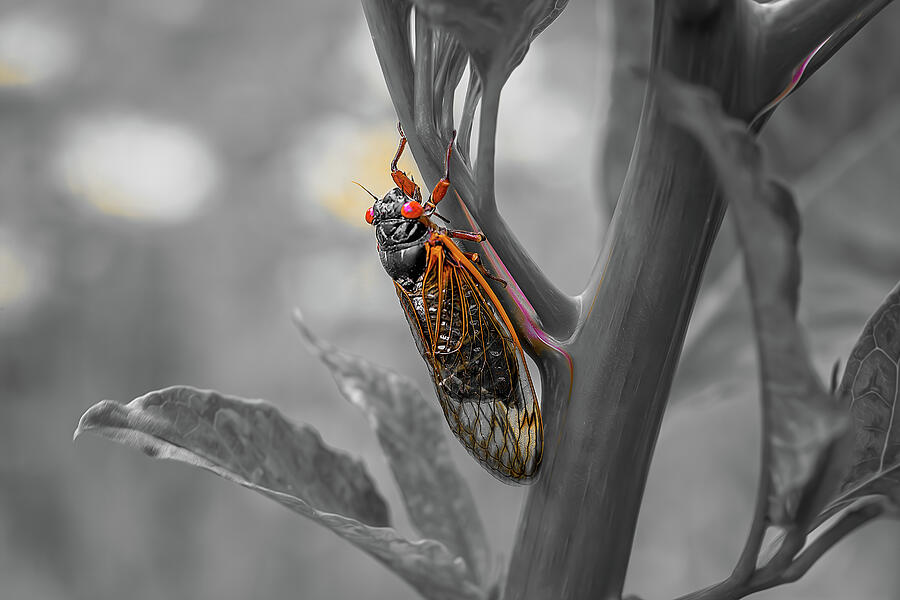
846, 525
424, 83
473, 97
769, 577
487, 138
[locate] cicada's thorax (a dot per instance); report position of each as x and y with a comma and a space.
401, 241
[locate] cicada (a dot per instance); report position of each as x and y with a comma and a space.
460, 328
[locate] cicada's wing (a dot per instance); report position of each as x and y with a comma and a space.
478, 367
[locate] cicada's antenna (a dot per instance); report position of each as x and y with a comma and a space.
367, 190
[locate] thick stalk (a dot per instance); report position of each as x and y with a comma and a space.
580, 518
578, 526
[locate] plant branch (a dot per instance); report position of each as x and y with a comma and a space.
789, 571
424, 82
447, 78
637, 306
410, 83
473, 97
746, 564
389, 26
843, 35
630, 321
485, 201
625, 352
850, 522
793, 29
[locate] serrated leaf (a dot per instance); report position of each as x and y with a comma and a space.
413, 434
496, 33
869, 390
802, 422
251, 443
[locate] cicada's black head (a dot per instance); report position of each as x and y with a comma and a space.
401, 236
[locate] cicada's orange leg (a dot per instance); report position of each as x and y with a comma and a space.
469, 236
440, 189
476, 260
403, 182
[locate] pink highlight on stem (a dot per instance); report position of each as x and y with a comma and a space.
795, 79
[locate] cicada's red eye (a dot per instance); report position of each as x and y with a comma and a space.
412, 210
370, 215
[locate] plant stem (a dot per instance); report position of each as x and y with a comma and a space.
795, 27
771, 575
579, 520
487, 137
423, 87
626, 330
843, 35
850, 522
580, 517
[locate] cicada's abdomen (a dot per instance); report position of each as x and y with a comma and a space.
477, 366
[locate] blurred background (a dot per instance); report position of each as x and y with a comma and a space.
176, 177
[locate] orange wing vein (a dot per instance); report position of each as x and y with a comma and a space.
477, 363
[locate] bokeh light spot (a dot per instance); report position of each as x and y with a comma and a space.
136, 168
23, 278
551, 117
33, 50
14, 277
341, 150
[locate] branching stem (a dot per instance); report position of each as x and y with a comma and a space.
625, 332
791, 570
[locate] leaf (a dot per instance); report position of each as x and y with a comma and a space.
802, 423
869, 389
496, 33
413, 434
251, 443
246, 441
848, 249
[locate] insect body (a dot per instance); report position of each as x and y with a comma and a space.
461, 330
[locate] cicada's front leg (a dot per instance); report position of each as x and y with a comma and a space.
403, 182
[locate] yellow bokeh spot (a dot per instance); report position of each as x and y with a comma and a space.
34, 49
137, 168
365, 158
14, 280
108, 198
10, 76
